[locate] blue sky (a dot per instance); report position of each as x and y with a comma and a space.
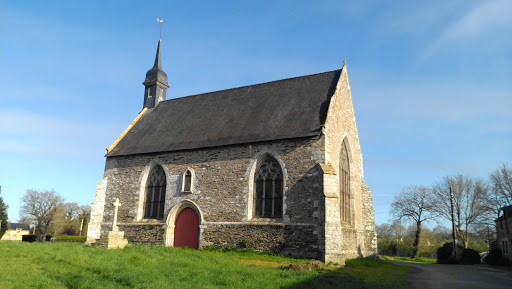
431, 81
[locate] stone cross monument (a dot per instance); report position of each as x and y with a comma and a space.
115, 237
116, 204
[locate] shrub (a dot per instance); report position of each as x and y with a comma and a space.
387, 247
444, 254
391, 250
245, 244
65, 238
469, 256
28, 238
69, 231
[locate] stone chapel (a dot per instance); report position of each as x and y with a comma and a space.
271, 166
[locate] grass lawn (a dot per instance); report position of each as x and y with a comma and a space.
409, 259
65, 265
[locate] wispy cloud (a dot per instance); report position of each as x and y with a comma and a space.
417, 17
487, 24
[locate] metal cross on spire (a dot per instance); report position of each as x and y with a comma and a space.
160, 21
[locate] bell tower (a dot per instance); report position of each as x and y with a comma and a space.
155, 83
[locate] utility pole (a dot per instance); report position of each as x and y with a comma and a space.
455, 247
454, 236
81, 226
488, 237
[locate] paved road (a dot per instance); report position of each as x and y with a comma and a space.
426, 276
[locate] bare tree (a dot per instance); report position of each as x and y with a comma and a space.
397, 231
491, 205
40, 208
442, 232
468, 196
69, 217
498, 195
414, 203
84, 218
70, 214
501, 183
383, 230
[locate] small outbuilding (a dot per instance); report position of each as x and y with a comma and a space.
16, 232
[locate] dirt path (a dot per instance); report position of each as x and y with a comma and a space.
456, 276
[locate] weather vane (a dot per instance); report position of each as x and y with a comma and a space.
160, 21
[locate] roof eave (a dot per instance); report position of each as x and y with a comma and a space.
312, 135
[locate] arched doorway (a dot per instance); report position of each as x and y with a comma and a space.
186, 229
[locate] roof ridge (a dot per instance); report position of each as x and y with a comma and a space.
256, 84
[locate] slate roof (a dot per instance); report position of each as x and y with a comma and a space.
156, 74
283, 109
14, 226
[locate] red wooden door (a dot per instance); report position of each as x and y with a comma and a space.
186, 229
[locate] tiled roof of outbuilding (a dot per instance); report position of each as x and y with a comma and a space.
283, 109
14, 226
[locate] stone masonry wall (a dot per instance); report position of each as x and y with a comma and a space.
98, 206
370, 236
304, 241
357, 236
340, 125
222, 191
291, 240
257, 237
145, 234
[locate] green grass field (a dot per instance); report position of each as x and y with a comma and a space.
65, 265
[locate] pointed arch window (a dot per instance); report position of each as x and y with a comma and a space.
268, 184
155, 194
344, 183
187, 182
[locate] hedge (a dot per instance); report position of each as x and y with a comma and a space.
28, 238
66, 238
444, 254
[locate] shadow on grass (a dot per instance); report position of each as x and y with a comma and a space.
331, 280
359, 273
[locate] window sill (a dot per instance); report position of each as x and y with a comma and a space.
266, 220
152, 221
347, 225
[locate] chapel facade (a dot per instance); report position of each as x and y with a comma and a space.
272, 166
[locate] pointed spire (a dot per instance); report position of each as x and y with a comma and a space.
156, 82
158, 57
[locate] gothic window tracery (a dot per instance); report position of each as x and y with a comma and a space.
268, 184
344, 183
155, 194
